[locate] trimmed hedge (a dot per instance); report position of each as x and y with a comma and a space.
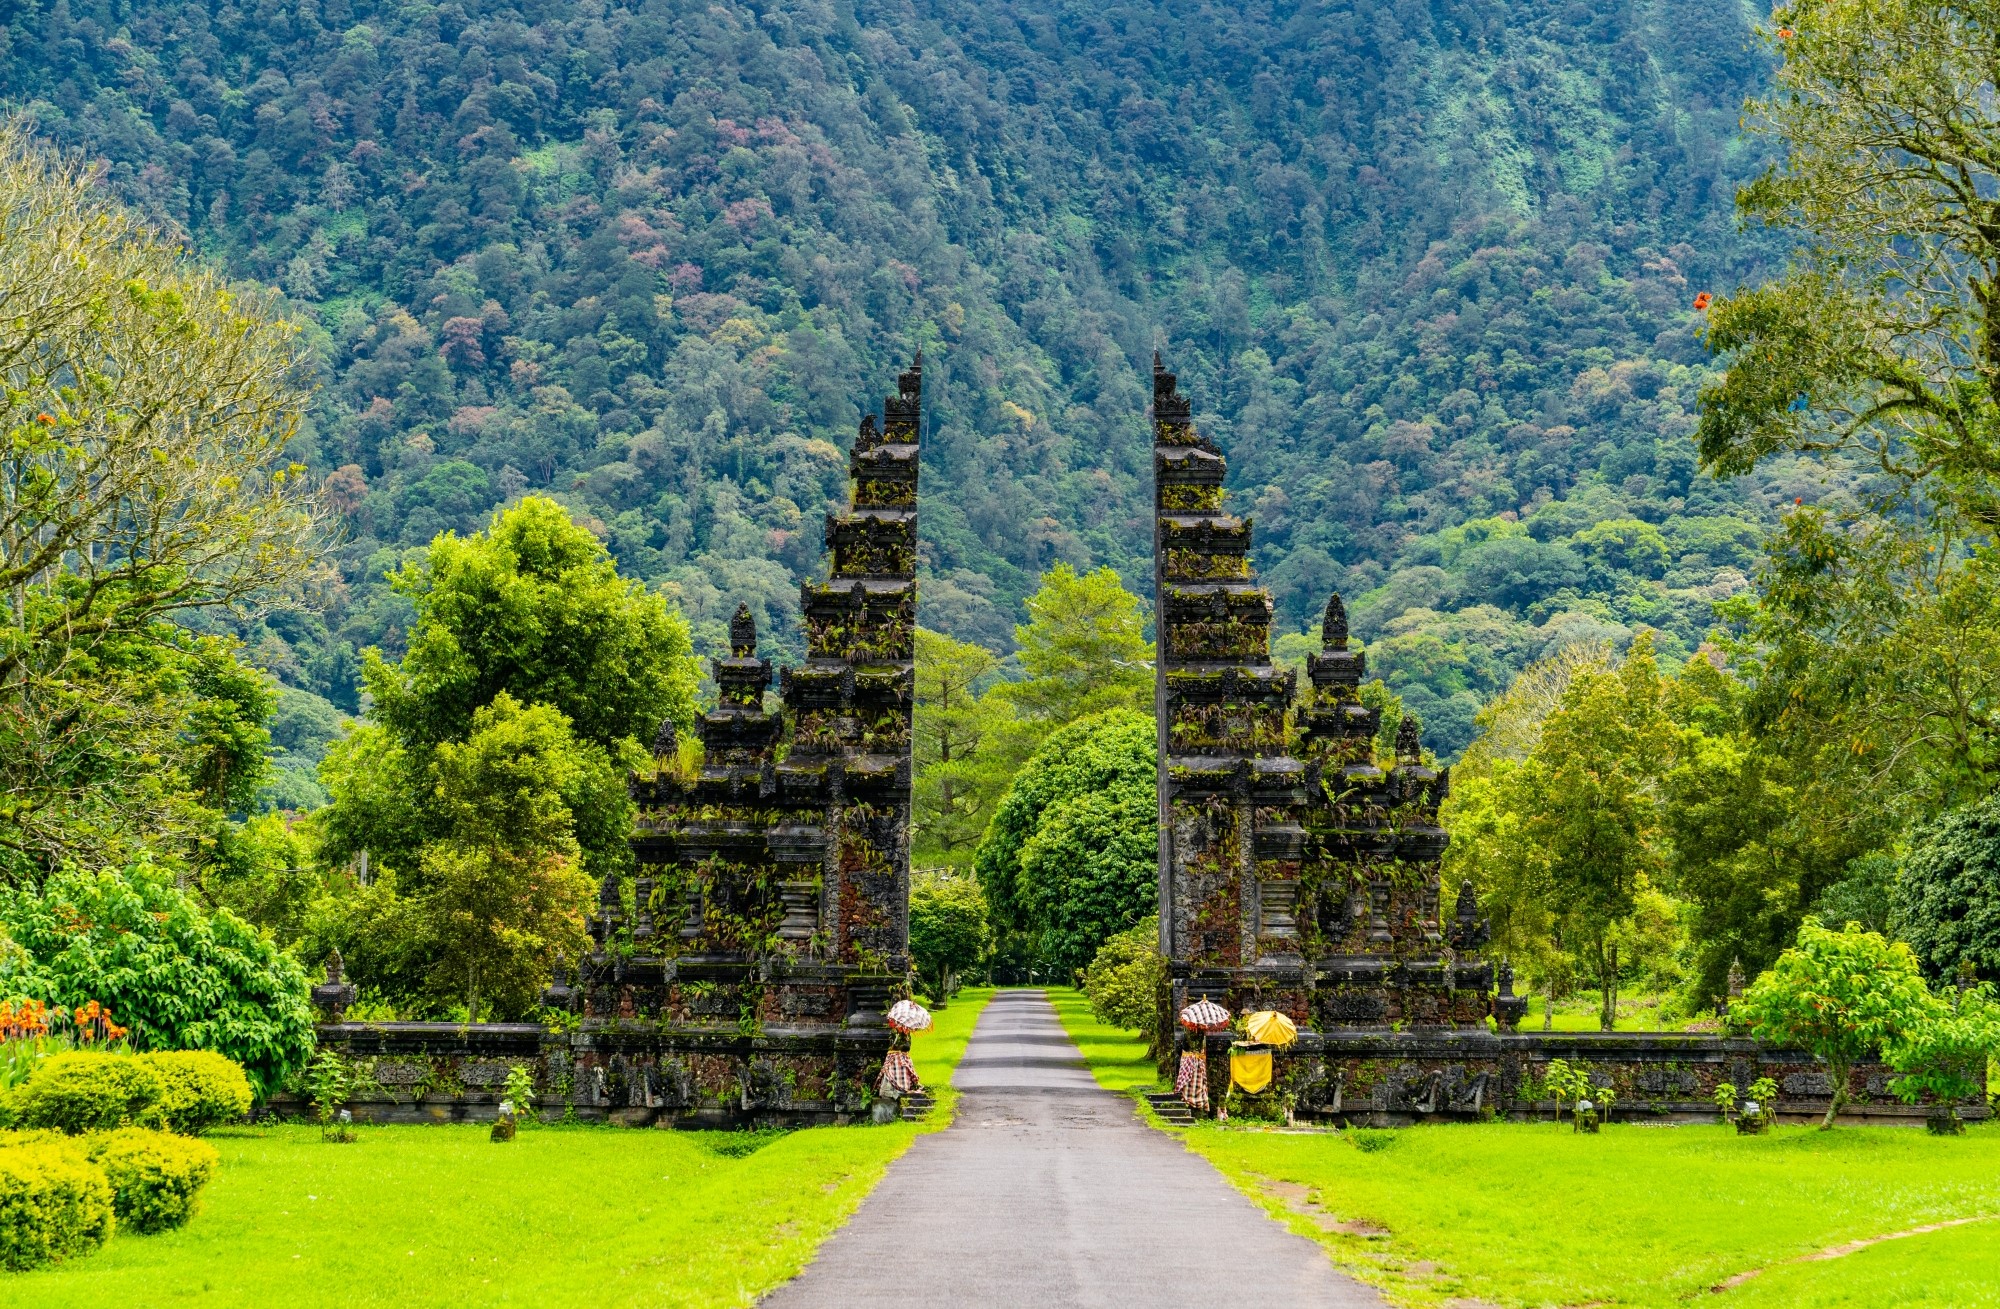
54, 1204
203, 1089
90, 1091
155, 1176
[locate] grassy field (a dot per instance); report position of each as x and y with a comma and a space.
1532, 1214
598, 1217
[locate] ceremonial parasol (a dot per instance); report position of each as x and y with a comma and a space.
909, 1016
1267, 1027
1205, 1015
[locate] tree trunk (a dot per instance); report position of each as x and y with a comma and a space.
1607, 986
1836, 1073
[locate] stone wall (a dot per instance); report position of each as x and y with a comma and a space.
1388, 1078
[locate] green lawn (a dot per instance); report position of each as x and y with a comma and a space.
1532, 1214
597, 1217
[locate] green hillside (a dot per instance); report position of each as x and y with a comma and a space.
1425, 268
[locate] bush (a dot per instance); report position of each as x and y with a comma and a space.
1126, 980
54, 1204
90, 1091
202, 1089
155, 1177
181, 977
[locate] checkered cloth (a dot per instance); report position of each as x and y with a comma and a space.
1192, 1081
899, 1075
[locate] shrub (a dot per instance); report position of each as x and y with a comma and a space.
54, 1205
154, 1176
90, 1091
1126, 980
202, 1089
181, 977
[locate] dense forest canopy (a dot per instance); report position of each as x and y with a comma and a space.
1427, 268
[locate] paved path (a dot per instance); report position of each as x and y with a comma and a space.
1049, 1191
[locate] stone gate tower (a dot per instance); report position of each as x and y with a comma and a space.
744, 972
1297, 872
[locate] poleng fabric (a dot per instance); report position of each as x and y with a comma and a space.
1250, 1069
899, 1075
1192, 1080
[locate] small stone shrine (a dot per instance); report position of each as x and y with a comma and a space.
1296, 874
744, 972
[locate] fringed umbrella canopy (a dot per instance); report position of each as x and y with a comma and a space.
1271, 1028
908, 1016
1205, 1015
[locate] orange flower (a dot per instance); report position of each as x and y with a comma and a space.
1703, 301
46, 419
1785, 34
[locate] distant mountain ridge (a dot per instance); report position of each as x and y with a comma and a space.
1418, 265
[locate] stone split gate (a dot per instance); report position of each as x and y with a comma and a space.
742, 976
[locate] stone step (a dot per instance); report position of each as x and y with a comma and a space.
917, 1107
1170, 1108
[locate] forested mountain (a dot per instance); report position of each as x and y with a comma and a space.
1427, 270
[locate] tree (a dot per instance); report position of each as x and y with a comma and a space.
1946, 903
1084, 649
958, 775
150, 413
1876, 349
949, 933
1108, 753
1879, 339
179, 977
1750, 847
534, 607
481, 879
1586, 834
1090, 871
1842, 995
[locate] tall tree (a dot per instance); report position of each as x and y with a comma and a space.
1876, 352
535, 607
1584, 837
1084, 649
146, 475
959, 771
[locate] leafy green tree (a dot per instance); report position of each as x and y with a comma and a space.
1879, 338
1747, 848
949, 933
1587, 799
1071, 855
533, 607
1090, 870
151, 412
1946, 903
959, 765
1843, 995
1874, 349
481, 877
178, 976
1084, 649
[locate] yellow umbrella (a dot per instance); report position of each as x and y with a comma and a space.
1268, 1027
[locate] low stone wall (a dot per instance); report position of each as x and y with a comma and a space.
638, 1074
1389, 1078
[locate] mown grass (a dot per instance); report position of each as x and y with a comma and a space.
1116, 1057
1523, 1214
598, 1217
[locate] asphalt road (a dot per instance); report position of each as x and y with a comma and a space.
1047, 1190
